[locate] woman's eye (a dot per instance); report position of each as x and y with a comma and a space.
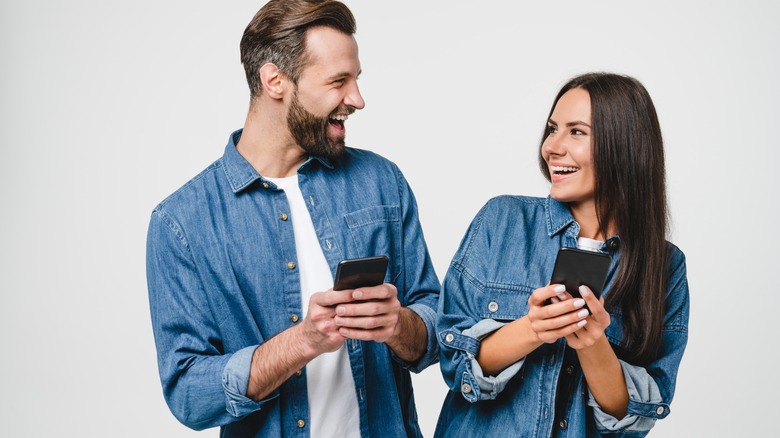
551, 129
578, 132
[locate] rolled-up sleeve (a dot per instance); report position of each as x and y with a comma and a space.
418, 286
645, 404
203, 386
651, 388
461, 328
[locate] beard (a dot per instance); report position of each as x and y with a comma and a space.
311, 132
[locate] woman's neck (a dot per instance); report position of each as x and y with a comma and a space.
585, 215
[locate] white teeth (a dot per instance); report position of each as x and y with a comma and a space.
341, 117
564, 169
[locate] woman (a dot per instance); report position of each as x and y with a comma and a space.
525, 358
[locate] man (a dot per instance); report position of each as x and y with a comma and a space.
242, 252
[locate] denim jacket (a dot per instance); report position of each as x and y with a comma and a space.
222, 277
507, 253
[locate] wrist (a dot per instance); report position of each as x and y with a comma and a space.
529, 334
307, 341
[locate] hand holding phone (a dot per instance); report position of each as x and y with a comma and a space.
575, 267
362, 272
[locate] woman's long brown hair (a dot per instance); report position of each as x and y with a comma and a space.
630, 194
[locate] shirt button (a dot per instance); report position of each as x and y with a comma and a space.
563, 424
291, 265
570, 369
449, 337
493, 306
294, 318
265, 185
298, 373
301, 423
660, 410
283, 216
465, 388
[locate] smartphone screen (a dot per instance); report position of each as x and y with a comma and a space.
363, 272
575, 267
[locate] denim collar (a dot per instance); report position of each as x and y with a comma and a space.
558, 216
240, 172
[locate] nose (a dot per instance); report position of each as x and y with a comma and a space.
354, 98
553, 145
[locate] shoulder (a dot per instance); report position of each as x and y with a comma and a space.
502, 219
361, 158
506, 206
190, 197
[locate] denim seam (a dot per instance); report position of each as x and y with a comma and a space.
174, 227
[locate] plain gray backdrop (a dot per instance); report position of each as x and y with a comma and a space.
107, 107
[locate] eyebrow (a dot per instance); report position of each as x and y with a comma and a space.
570, 124
344, 75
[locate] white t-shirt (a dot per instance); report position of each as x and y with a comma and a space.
589, 244
333, 406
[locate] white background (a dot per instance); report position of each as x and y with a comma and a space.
107, 107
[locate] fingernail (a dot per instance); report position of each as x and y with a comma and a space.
357, 294
584, 291
582, 323
338, 320
555, 300
562, 297
560, 288
579, 302
583, 313
340, 310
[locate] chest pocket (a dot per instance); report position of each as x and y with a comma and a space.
504, 302
377, 231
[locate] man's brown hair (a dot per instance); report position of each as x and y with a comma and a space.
277, 35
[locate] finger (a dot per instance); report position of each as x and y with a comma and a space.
365, 322
331, 297
567, 330
380, 292
541, 295
369, 308
378, 334
561, 314
596, 305
557, 308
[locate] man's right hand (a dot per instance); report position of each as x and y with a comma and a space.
319, 330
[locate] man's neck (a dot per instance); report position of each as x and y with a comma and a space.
267, 144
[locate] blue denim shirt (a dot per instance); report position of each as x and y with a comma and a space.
222, 279
507, 253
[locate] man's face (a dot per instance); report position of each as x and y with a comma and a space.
326, 94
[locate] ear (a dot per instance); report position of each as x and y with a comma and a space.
272, 81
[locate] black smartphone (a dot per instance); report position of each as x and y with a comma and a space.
575, 267
363, 272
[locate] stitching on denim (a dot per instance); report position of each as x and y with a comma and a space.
174, 227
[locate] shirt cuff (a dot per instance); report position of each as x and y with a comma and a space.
645, 405
489, 386
235, 381
431, 354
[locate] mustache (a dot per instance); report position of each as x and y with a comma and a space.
347, 110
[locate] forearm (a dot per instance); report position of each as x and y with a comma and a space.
276, 360
506, 346
604, 376
410, 339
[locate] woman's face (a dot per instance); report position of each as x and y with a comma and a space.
568, 149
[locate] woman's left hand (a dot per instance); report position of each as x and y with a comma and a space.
598, 321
